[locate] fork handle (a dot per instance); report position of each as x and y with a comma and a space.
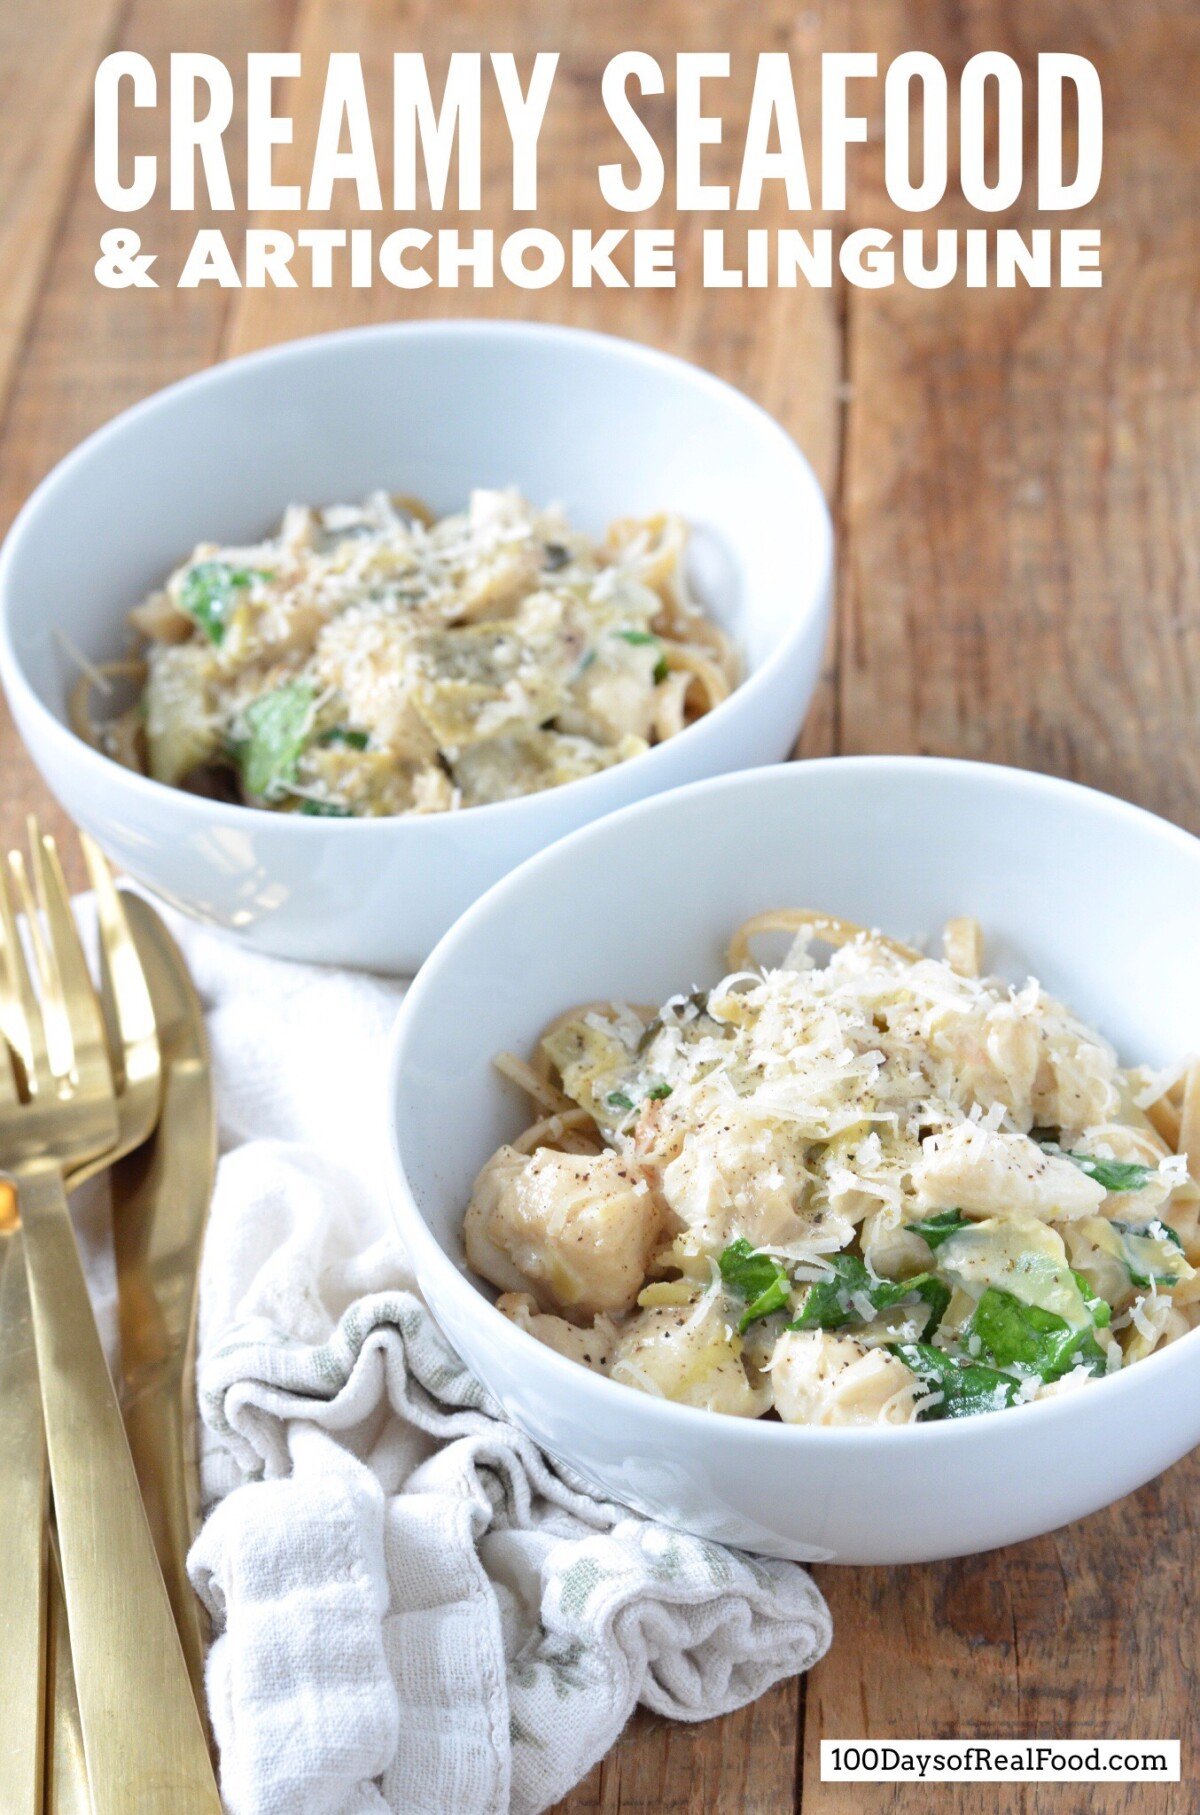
66, 1767
23, 1577
142, 1737
159, 1445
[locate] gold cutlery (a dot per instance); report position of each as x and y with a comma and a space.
160, 1204
23, 1576
66, 1767
142, 1736
133, 1047
134, 1043
161, 1197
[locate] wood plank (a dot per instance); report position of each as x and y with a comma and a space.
48, 54
1019, 583
93, 351
1019, 499
90, 351
744, 1764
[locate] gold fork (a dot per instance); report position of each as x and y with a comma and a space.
142, 1736
129, 1022
23, 1601
31, 1617
136, 1058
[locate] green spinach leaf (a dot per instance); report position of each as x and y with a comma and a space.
937, 1229
966, 1387
829, 1303
342, 734
208, 591
1021, 1336
757, 1278
324, 809
1153, 1253
1098, 1309
277, 726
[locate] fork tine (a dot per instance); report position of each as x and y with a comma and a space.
12, 1019
56, 1029
67, 982
125, 997
10, 1096
23, 1018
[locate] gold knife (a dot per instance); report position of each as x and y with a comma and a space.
23, 1575
160, 1196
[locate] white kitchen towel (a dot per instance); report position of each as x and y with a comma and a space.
414, 1609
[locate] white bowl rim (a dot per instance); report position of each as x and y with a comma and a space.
582, 1381
228, 814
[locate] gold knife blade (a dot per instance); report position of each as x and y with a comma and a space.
23, 1575
161, 1197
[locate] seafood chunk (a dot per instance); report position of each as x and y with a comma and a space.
687, 1353
820, 1378
986, 1173
577, 1228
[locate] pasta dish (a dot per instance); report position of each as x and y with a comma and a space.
879, 1188
370, 660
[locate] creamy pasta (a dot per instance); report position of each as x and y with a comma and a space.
369, 660
883, 1188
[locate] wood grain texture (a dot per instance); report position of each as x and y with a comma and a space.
745, 1764
1013, 479
48, 54
1019, 514
1018, 583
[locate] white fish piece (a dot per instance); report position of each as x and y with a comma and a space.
686, 1353
986, 1173
821, 1378
573, 1227
591, 1348
738, 1176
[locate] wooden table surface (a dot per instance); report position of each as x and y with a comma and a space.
1013, 475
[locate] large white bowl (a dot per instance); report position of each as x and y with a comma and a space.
602, 426
1098, 899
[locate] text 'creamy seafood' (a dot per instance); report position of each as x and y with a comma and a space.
882, 1189
369, 660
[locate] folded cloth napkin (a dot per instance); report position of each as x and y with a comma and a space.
414, 1609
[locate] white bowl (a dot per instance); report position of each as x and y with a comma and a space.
1096, 898
602, 426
